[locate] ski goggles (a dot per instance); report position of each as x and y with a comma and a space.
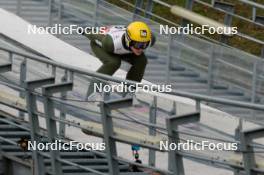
139, 45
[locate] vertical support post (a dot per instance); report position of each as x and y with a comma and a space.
152, 130
174, 108
108, 130
254, 82
106, 96
247, 150
109, 142
262, 52
189, 6
212, 2
53, 71
228, 22
10, 56
18, 8
96, 4
175, 159
62, 109
168, 64
253, 85
23, 72
247, 157
198, 105
71, 76
38, 160
48, 91
138, 7
22, 79
210, 78
171, 156
60, 9
31, 100
238, 131
180, 38
228, 18
254, 13
148, 9
236, 172
52, 132
1, 160
51, 2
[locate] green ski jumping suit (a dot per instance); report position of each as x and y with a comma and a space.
111, 49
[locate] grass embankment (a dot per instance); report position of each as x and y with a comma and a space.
240, 8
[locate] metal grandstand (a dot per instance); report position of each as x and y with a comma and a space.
189, 63
44, 100
81, 114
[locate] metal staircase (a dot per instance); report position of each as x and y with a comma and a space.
13, 132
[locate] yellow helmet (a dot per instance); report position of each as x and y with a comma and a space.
138, 34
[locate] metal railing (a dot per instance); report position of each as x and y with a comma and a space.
210, 62
148, 12
171, 129
191, 45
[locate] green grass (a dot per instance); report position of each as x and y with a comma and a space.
240, 8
